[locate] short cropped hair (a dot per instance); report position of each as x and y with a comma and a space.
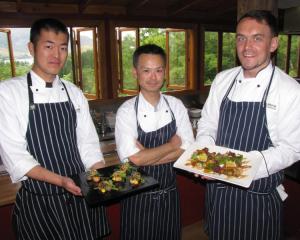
48, 24
148, 49
263, 16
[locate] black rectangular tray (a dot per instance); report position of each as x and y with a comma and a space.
94, 196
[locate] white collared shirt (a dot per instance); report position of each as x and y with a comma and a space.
14, 109
150, 119
283, 113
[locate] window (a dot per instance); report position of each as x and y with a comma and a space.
219, 53
210, 56
15, 59
287, 55
175, 43
85, 54
229, 52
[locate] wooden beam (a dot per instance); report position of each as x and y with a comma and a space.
83, 4
247, 5
135, 4
19, 5
176, 9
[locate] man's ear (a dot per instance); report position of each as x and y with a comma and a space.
31, 48
134, 72
274, 44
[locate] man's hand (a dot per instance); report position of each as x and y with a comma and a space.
139, 145
175, 141
69, 185
203, 177
98, 165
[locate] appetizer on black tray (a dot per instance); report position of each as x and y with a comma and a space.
112, 183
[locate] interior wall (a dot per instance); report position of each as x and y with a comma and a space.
291, 22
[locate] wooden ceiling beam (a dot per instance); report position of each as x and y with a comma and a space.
19, 5
135, 4
178, 8
60, 8
83, 4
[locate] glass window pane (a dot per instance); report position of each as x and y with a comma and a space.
67, 72
210, 57
294, 56
5, 68
87, 62
128, 47
23, 59
281, 52
228, 56
153, 35
177, 58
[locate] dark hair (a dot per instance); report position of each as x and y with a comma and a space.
48, 24
148, 49
263, 16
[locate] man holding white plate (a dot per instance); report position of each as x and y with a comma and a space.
252, 108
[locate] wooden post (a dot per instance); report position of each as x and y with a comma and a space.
247, 5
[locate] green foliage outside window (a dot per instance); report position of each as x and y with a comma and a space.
177, 62
281, 51
229, 52
294, 56
210, 57
128, 47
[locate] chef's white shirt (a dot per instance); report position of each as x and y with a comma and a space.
14, 108
283, 113
150, 119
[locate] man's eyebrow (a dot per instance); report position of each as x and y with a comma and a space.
49, 41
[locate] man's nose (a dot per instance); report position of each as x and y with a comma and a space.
153, 75
248, 43
56, 52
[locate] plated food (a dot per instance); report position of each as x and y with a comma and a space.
113, 183
122, 176
229, 163
220, 163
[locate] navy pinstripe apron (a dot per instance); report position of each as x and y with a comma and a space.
43, 210
238, 213
154, 215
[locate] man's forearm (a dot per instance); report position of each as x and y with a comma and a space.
150, 156
42, 174
171, 157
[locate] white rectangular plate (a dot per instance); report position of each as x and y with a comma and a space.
252, 160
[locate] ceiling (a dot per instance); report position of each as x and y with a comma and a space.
204, 11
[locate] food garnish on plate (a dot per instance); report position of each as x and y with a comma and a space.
136, 179
229, 163
93, 175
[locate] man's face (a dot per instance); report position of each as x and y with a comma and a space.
150, 72
254, 43
50, 53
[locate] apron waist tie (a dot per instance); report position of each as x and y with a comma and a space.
44, 194
161, 193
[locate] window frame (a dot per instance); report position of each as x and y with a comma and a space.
191, 51
10, 50
288, 54
170, 86
78, 62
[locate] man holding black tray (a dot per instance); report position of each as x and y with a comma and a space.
252, 108
46, 136
152, 130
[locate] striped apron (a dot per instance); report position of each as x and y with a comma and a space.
43, 210
237, 213
154, 215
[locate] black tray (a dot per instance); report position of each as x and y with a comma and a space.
94, 196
